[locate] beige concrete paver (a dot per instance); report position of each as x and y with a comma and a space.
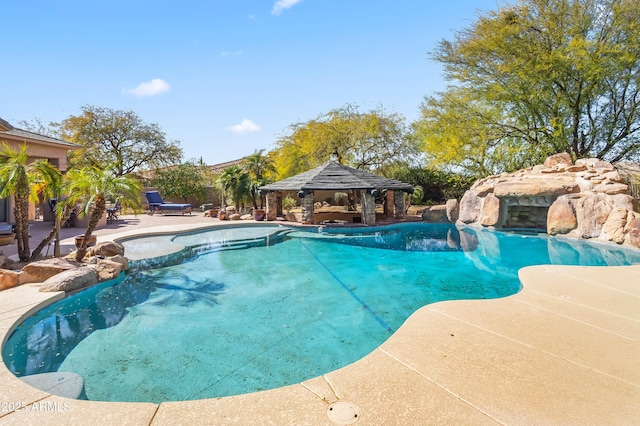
513, 382
291, 405
56, 411
14, 394
391, 393
626, 278
609, 321
581, 289
597, 349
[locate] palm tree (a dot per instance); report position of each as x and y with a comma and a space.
62, 211
91, 187
23, 179
258, 166
234, 181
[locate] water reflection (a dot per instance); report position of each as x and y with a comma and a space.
41, 343
411, 237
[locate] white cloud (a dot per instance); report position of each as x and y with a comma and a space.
283, 5
246, 126
150, 88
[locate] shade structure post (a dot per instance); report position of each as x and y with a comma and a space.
272, 206
368, 207
389, 206
307, 208
398, 203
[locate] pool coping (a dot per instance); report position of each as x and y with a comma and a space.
564, 350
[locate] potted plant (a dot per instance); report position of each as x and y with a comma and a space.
91, 241
289, 203
7, 239
259, 214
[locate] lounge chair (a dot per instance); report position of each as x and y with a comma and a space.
157, 205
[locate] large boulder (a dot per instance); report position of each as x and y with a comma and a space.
557, 159
633, 232
9, 279
107, 269
40, 271
592, 212
452, 208
491, 213
614, 226
470, 206
561, 217
71, 280
106, 249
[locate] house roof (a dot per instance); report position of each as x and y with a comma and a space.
337, 177
13, 133
217, 168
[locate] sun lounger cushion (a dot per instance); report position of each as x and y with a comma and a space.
156, 204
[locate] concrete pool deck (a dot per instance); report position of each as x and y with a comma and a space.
564, 351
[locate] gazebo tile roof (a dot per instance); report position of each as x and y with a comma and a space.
338, 177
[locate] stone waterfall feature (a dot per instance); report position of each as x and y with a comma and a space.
585, 199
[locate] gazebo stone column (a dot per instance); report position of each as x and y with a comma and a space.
272, 206
389, 206
398, 202
307, 208
368, 208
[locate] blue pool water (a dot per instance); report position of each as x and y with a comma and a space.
252, 308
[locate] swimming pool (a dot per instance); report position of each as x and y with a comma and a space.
252, 308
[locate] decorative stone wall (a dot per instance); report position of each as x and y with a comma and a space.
588, 199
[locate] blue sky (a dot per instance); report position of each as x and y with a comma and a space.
224, 78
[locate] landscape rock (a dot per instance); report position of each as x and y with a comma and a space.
633, 233
452, 208
107, 269
9, 279
592, 212
106, 249
588, 199
611, 188
613, 228
540, 188
234, 216
435, 214
561, 217
491, 211
40, 271
71, 280
470, 206
557, 159
123, 261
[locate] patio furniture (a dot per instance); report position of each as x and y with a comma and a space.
114, 212
157, 205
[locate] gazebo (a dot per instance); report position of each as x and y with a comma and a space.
333, 176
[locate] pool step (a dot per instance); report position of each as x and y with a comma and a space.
262, 241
